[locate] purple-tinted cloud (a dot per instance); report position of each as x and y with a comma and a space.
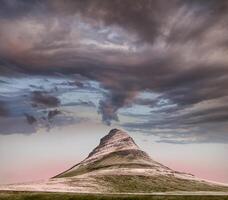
176, 49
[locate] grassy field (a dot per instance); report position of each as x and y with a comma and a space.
143, 184
71, 196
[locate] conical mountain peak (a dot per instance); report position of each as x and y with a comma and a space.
116, 149
118, 165
115, 140
115, 136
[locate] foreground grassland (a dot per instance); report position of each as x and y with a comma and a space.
146, 184
70, 196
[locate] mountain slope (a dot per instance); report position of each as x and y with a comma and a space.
116, 150
118, 165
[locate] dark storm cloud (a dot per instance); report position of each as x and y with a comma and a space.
142, 17
176, 49
113, 101
28, 109
43, 98
53, 113
133, 15
13, 9
3, 109
30, 119
146, 18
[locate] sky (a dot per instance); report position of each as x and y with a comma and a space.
72, 70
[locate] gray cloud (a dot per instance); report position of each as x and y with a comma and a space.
3, 109
81, 103
10, 125
30, 119
177, 49
44, 99
29, 109
53, 113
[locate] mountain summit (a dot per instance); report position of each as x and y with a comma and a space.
117, 150
116, 140
118, 165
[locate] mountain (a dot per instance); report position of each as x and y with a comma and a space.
116, 151
118, 165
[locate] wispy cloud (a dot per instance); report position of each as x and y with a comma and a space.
176, 49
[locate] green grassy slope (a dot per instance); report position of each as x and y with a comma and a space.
137, 183
146, 184
70, 196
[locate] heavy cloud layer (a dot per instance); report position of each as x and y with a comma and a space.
176, 49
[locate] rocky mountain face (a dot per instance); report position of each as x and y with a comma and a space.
116, 140
117, 150
118, 165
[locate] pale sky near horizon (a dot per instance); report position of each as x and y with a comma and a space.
72, 70
43, 155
